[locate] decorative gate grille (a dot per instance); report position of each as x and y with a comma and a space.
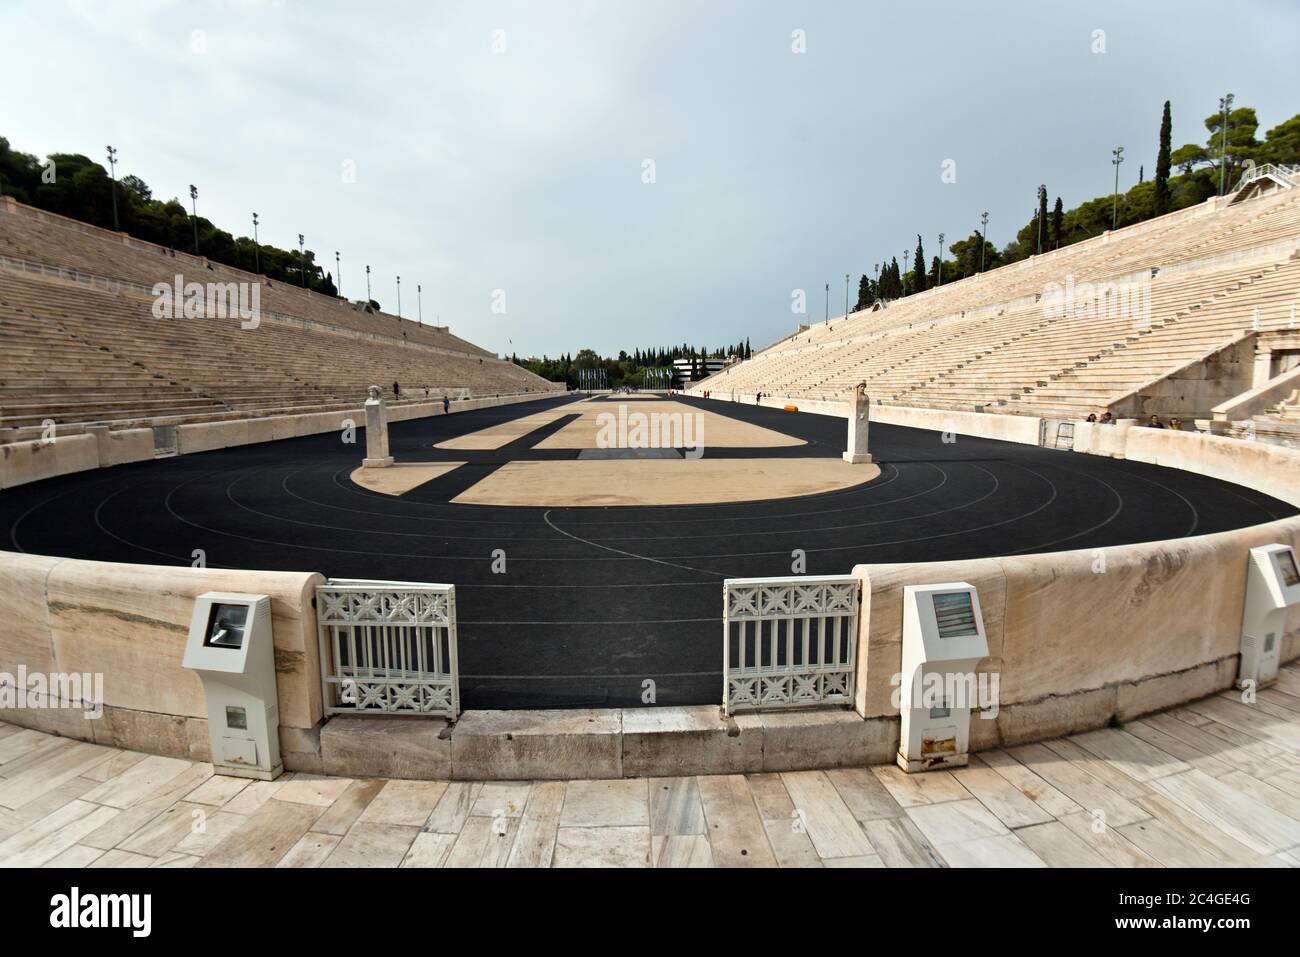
789, 642
388, 647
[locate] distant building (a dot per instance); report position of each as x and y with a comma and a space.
683, 367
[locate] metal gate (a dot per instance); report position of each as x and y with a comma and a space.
789, 642
388, 647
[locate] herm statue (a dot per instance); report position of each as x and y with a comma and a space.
859, 421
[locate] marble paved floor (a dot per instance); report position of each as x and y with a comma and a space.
1209, 784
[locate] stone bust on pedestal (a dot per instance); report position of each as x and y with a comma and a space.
859, 421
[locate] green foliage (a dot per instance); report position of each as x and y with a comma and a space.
627, 369
1160, 198
1281, 144
1232, 144
864, 293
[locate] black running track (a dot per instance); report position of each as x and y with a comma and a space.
596, 600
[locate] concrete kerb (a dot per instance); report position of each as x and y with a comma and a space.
603, 743
37, 459
1022, 429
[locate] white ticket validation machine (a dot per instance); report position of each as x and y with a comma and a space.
1272, 586
943, 641
230, 647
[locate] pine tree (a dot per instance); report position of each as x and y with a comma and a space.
1160, 202
918, 268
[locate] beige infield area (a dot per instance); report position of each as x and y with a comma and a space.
717, 431
661, 481
400, 477
640, 426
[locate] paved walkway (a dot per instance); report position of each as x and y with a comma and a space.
1209, 784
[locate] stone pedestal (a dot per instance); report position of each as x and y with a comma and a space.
377, 456
859, 405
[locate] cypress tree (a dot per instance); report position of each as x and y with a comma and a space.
918, 268
1042, 217
1058, 219
1161, 198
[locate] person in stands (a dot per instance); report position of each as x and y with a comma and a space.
1107, 418
1155, 423
1176, 424
397, 390
1092, 417
446, 404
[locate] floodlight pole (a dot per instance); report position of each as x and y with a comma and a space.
1040, 218
338, 275
941, 259
369, 298
1118, 154
302, 263
846, 295
112, 172
194, 215
984, 236
828, 302
1225, 105
399, 297
257, 251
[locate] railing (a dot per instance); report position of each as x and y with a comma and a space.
1289, 174
789, 642
388, 647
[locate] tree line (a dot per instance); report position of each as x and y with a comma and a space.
628, 369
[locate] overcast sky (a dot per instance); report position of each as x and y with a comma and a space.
504, 146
